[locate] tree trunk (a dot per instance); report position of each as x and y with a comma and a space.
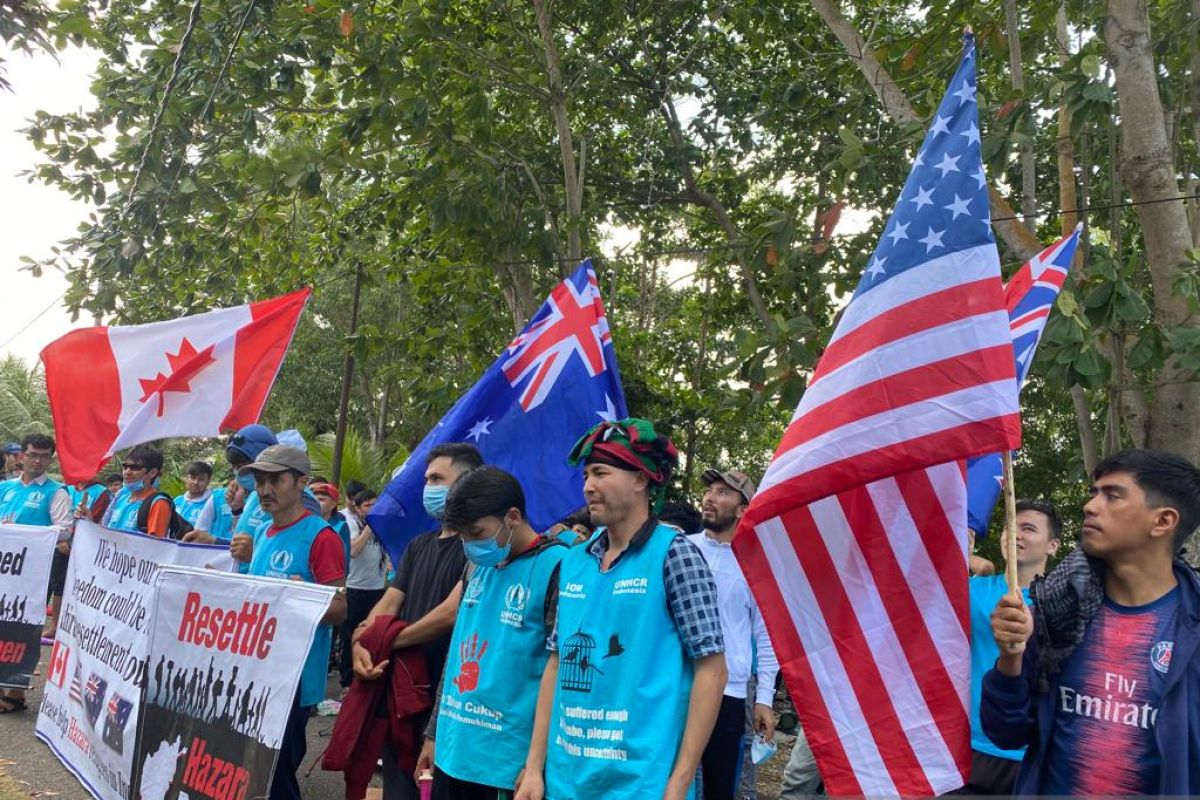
1087, 433
1149, 173
1012, 23
713, 203
516, 284
572, 175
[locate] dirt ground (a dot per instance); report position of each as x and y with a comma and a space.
770, 774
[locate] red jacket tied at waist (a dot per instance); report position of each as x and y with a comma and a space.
360, 733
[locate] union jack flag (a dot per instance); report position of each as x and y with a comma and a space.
555, 380
1029, 297
570, 322
855, 546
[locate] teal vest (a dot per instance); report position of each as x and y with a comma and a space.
88, 495
123, 512
28, 505
253, 517
281, 556
493, 670
222, 527
624, 680
190, 509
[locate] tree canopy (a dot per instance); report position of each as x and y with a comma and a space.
746, 154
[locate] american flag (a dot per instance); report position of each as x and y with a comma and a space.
1029, 297
855, 546
76, 692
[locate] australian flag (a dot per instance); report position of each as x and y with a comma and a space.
93, 697
556, 380
1029, 294
115, 721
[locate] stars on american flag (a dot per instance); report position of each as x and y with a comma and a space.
944, 206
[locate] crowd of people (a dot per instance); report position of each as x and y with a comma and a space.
621, 654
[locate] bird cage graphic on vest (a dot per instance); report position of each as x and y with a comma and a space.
575, 663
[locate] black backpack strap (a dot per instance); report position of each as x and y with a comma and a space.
143, 515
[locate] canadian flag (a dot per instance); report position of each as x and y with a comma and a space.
112, 388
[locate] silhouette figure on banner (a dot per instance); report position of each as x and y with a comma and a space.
208, 695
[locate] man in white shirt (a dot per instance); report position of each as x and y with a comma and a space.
746, 642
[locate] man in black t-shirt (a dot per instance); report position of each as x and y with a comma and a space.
425, 592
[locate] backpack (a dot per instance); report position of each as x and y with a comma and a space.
176, 528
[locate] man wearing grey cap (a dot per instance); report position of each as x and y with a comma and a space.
726, 495
297, 545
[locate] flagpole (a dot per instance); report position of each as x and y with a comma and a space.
1010, 526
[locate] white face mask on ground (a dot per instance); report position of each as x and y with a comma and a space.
761, 749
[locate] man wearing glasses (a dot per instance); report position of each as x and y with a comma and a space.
139, 475
35, 499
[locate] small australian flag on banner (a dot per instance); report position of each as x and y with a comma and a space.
552, 383
115, 721
93, 697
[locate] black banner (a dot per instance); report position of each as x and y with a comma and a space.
20, 647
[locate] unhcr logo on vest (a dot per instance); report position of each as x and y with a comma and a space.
631, 586
515, 599
474, 590
281, 561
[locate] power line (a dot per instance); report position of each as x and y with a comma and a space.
237, 38
29, 324
168, 89
1105, 207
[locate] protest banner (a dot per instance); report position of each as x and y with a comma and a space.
227, 652
97, 667
26, 552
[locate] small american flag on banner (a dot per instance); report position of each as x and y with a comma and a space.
855, 546
76, 692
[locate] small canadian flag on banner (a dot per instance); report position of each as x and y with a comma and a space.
112, 388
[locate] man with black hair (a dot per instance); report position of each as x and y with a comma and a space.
197, 505
1100, 680
504, 619
140, 471
35, 499
427, 582
1039, 529
633, 683
682, 515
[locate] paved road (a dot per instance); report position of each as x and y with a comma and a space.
37, 769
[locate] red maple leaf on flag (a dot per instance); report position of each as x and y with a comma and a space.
185, 365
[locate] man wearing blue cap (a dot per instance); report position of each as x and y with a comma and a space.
243, 448
12, 461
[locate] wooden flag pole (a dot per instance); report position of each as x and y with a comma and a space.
1010, 526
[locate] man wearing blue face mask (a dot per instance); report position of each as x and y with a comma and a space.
242, 448
427, 588
140, 471
490, 685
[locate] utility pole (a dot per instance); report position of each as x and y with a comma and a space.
339, 440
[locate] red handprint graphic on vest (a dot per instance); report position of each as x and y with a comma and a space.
469, 652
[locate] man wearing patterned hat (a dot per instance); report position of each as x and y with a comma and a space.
637, 665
